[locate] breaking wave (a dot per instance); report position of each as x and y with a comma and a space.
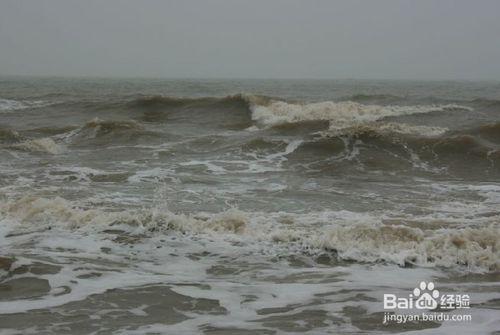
338, 114
267, 112
11, 139
262, 111
46, 145
475, 248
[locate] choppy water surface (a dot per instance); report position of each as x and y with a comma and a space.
244, 206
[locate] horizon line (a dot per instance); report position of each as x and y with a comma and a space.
126, 77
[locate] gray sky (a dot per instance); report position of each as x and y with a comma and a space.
424, 39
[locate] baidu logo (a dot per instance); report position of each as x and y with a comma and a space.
425, 303
426, 296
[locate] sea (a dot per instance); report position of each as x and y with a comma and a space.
245, 206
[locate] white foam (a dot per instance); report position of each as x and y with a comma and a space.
151, 175
353, 236
45, 144
291, 147
208, 164
342, 114
12, 105
475, 248
231, 240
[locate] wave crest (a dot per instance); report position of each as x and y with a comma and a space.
476, 248
160, 101
45, 144
106, 131
339, 114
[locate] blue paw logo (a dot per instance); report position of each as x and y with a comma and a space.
426, 296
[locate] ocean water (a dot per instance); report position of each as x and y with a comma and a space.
134, 206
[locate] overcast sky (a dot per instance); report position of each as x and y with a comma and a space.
424, 39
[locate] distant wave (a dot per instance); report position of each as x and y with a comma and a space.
98, 131
490, 103
365, 132
237, 100
13, 105
267, 112
166, 101
375, 98
263, 111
